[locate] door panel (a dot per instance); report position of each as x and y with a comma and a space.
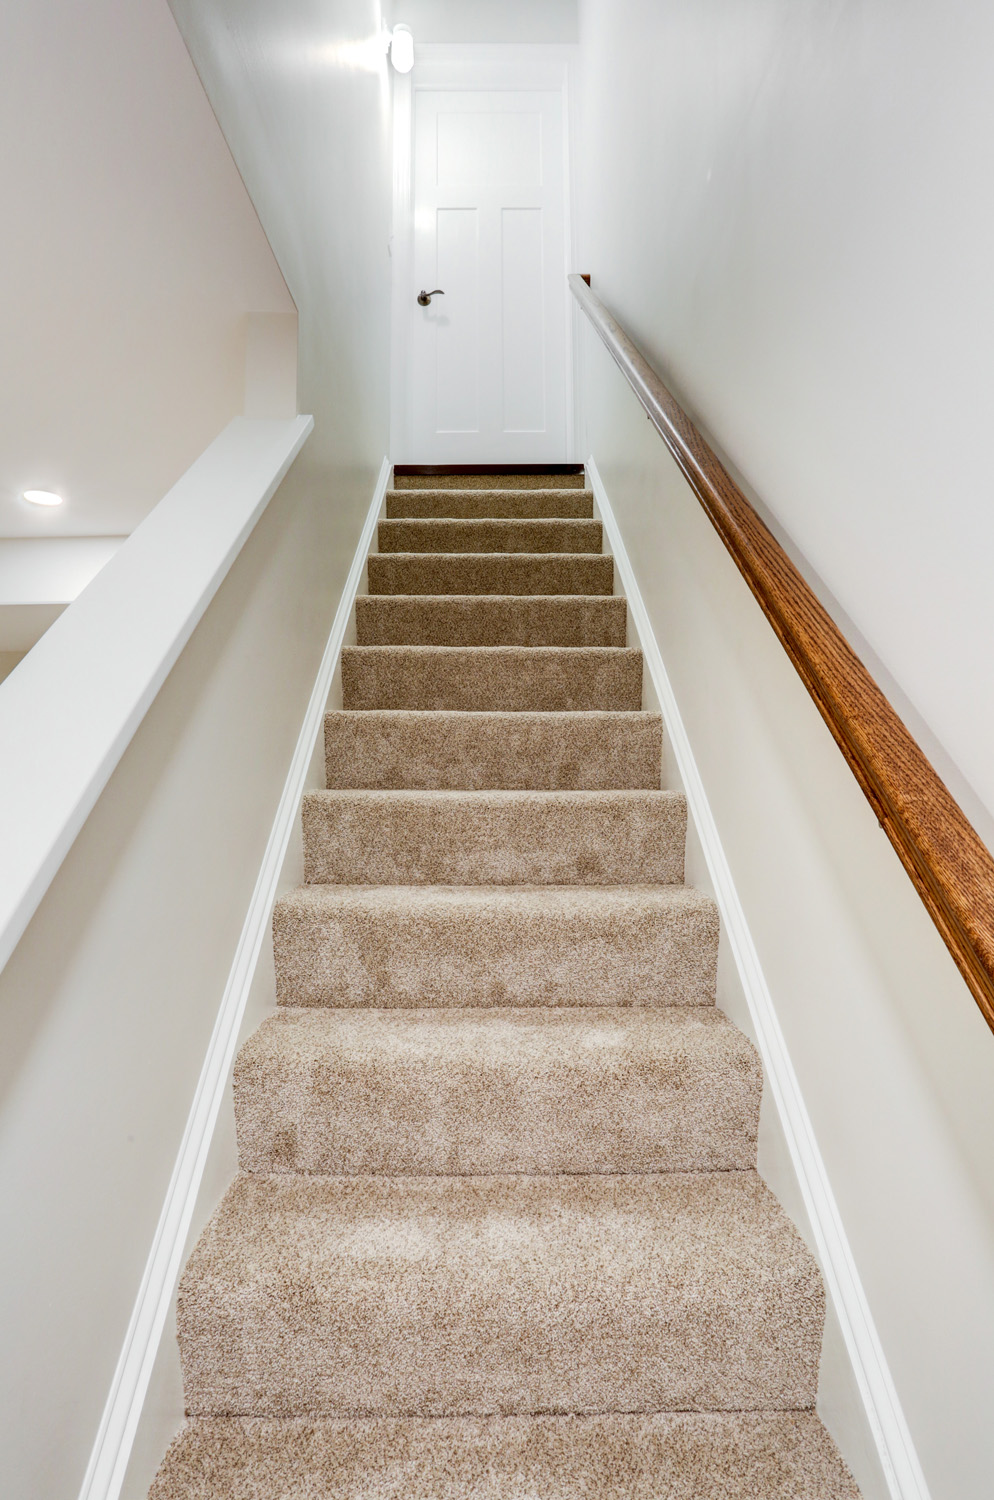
488, 148
488, 358
523, 320
456, 339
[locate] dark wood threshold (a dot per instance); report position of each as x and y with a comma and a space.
404, 470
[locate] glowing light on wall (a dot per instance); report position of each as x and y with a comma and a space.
402, 48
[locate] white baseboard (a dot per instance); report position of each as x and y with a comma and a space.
885, 1418
119, 1423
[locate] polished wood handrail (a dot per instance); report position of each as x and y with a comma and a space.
950, 866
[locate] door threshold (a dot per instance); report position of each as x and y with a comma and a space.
422, 470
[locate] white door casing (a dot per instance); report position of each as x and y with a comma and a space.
488, 359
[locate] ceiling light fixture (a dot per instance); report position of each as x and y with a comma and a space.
43, 497
402, 48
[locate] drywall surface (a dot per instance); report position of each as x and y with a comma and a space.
895, 1063
783, 204
39, 576
515, 21
129, 258
51, 570
302, 93
108, 1002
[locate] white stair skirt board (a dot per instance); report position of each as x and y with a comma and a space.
115, 1436
885, 1417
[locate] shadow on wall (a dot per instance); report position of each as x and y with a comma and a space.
8, 661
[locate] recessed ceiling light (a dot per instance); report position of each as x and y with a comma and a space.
42, 497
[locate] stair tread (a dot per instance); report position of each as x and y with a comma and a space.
683, 1456
490, 573
453, 749
506, 1090
421, 945
491, 619
410, 1295
494, 837
492, 677
490, 534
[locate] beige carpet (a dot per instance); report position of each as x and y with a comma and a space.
401, 750
498, 1233
489, 573
489, 620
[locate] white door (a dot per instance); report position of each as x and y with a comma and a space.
488, 356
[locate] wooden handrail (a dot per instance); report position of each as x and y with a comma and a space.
950, 866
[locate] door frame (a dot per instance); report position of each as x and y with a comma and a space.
469, 66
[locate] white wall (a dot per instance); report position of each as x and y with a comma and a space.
302, 93
129, 257
785, 205
39, 576
748, 174
487, 20
53, 569
108, 1002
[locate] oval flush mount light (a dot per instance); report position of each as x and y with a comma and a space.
43, 497
402, 48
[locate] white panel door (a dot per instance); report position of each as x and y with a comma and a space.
488, 356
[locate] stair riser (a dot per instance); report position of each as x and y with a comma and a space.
516, 751
495, 838
454, 1295
493, 573
785, 1456
490, 535
450, 1092
554, 679
472, 505
451, 947
486, 620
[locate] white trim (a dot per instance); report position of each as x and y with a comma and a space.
491, 65
401, 252
101, 664
115, 1436
570, 305
894, 1444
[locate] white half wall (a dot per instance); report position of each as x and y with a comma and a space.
109, 1000
129, 258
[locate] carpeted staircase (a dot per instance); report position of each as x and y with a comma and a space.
498, 1231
